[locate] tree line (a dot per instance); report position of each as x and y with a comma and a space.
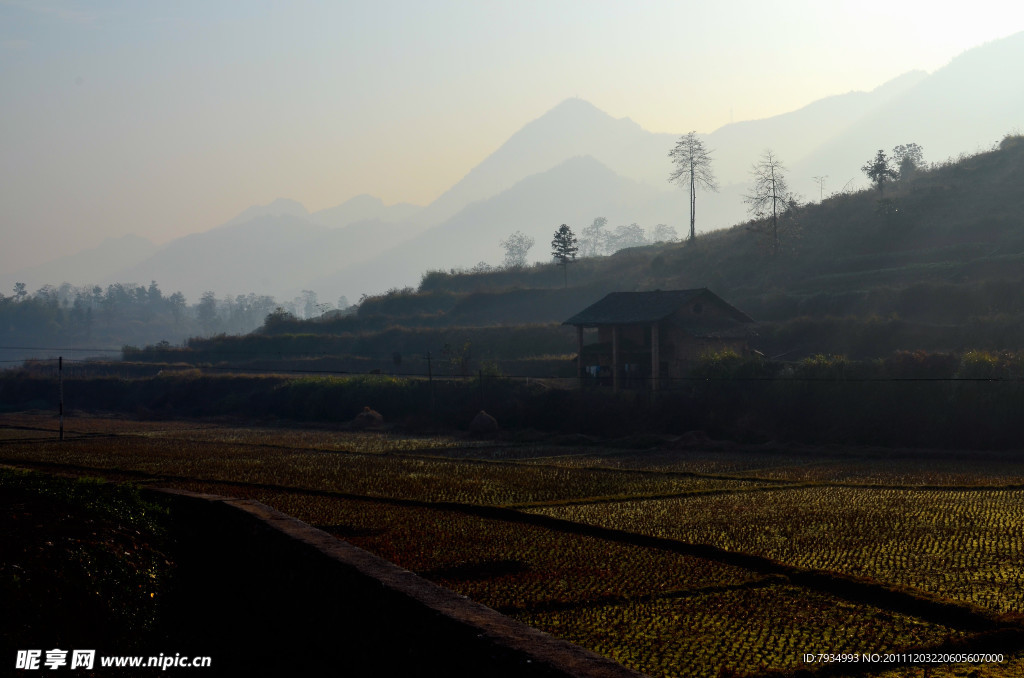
772, 205
593, 241
129, 313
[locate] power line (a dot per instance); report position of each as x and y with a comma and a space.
59, 348
588, 381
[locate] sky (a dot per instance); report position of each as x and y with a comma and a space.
162, 119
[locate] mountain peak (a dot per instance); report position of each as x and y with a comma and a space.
363, 207
576, 105
279, 207
575, 112
364, 200
287, 204
900, 83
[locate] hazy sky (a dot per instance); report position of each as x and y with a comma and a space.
164, 118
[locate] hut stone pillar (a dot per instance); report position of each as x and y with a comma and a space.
655, 358
615, 357
579, 354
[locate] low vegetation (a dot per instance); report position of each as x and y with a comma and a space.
757, 557
914, 538
85, 564
911, 399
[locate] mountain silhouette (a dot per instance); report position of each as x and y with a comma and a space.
570, 165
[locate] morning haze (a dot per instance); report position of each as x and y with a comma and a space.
168, 124
512, 339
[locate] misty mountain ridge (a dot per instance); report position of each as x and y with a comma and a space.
797, 134
365, 208
276, 254
277, 208
360, 208
537, 179
629, 151
88, 266
235, 258
964, 107
264, 248
572, 128
577, 189
577, 128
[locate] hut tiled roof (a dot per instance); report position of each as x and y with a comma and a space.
624, 308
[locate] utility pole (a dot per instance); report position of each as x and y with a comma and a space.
430, 382
60, 382
821, 185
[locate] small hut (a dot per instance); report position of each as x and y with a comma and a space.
644, 337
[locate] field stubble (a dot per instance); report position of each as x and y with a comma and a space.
661, 612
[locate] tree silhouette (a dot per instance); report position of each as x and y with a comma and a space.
693, 170
880, 171
626, 236
908, 158
516, 247
664, 233
564, 248
593, 239
770, 197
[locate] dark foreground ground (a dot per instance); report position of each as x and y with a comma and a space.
675, 556
97, 566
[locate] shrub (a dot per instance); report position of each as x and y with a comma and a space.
822, 366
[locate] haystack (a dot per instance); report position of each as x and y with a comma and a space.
483, 424
368, 418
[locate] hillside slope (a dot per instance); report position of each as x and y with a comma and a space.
938, 264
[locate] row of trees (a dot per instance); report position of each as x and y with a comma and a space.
770, 198
565, 245
593, 241
597, 239
131, 313
771, 204
904, 163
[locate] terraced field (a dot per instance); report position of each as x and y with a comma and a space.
964, 544
689, 561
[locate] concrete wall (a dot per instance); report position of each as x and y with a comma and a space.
267, 595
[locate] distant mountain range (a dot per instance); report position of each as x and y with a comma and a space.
90, 266
571, 165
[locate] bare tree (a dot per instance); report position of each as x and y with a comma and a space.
626, 236
693, 170
516, 248
593, 239
664, 233
770, 198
